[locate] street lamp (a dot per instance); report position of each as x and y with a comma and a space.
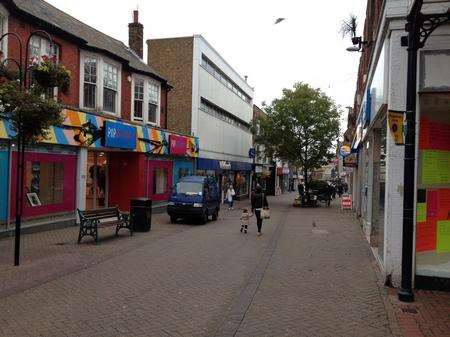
25, 83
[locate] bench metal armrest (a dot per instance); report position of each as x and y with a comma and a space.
124, 216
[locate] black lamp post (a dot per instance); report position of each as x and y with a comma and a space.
24, 69
419, 27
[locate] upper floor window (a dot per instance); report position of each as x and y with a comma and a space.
90, 83
110, 85
138, 99
146, 103
3, 30
219, 75
40, 46
153, 102
219, 113
100, 84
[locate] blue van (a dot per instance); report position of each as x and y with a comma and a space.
195, 197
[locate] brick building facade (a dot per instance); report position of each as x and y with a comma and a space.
113, 144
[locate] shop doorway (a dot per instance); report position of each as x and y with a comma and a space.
97, 180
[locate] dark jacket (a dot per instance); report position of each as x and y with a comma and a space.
259, 200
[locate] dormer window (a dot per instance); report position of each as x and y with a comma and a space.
146, 102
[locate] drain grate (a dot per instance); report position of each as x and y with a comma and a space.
410, 310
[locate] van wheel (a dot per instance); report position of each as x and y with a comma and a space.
215, 215
173, 219
204, 218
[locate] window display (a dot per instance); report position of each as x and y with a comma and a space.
96, 180
160, 180
241, 183
433, 194
46, 179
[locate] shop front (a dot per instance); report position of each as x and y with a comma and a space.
183, 163
282, 180
4, 182
89, 162
261, 176
433, 191
49, 181
227, 173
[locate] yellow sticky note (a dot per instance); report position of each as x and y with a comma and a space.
443, 236
421, 212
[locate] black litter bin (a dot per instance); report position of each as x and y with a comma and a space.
141, 214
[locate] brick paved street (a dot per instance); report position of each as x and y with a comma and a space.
309, 275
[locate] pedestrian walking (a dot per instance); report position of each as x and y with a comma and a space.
260, 207
230, 196
340, 190
245, 220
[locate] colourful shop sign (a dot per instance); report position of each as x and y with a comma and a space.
183, 146
88, 130
119, 135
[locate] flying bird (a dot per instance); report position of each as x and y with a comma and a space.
279, 20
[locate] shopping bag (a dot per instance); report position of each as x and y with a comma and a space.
265, 213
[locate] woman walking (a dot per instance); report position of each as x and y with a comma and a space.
230, 196
259, 202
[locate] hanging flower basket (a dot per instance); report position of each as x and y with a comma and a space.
63, 78
45, 74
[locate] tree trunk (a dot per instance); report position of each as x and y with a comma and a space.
305, 172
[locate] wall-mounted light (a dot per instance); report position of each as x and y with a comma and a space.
129, 78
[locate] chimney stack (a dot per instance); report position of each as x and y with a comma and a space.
136, 35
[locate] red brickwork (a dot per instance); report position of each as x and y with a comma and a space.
69, 56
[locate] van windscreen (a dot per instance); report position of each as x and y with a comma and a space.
190, 188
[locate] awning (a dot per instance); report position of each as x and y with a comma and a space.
222, 165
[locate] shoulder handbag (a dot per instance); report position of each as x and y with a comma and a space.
265, 212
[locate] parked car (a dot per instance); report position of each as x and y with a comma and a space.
195, 197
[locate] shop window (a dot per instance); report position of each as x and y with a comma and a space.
46, 179
241, 183
160, 178
183, 172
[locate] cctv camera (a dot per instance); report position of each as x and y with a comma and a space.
353, 48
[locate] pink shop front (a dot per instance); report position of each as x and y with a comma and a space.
50, 173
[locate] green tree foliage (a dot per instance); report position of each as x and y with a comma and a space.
27, 109
300, 127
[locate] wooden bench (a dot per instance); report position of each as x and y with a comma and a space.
92, 220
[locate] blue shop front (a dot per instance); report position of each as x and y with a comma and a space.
228, 172
182, 167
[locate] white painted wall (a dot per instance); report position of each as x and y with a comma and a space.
394, 162
81, 179
219, 139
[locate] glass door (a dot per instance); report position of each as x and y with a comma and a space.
97, 180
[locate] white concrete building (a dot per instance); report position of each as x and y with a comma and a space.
211, 101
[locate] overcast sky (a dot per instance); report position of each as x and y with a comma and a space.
305, 47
